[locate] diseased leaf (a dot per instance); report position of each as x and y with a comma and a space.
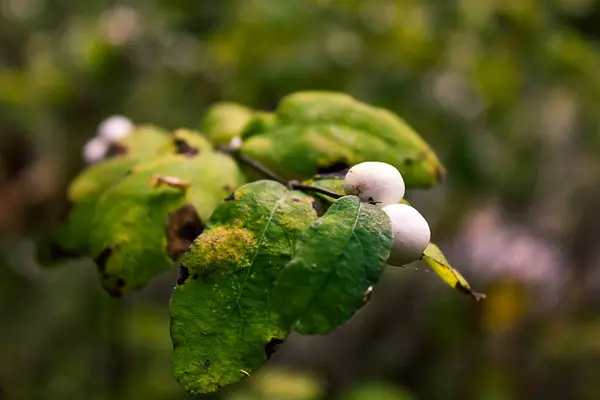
222, 323
144, 222
321, 132
336, 260
434, 257
71, 239
224, 121
141, 143
186, 142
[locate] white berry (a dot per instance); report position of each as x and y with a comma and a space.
94, 150
411, 234
375, 182
236, 143
115, 128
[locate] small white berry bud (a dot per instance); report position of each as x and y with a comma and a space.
235, 143
375, 182
411, 234
115, 128
94, 150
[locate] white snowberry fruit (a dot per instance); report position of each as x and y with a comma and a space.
94, 150
375, 182
411, 234
115, 128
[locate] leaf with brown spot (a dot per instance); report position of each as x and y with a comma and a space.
326, 132
187, 143
221, 322
71, 239
183, 227
148, 224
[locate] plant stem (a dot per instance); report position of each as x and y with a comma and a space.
255, 165
310, 188
261, 169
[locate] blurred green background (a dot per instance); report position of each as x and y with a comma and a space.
506, 91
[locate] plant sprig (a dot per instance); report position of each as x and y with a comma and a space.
261, 169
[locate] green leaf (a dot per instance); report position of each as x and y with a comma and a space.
222, 324
224, 121
436, 260
260, 122
144, 222
324, 131
336, 260
186, 142
71, 239
141, 144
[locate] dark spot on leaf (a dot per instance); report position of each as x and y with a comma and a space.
227, 188
116, 149
182, 147
184, 273
272, 347
296, 200
230, 197
336, 167
183, 227
102, 259
464, 290
409, 161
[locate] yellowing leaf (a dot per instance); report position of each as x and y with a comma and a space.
436, 260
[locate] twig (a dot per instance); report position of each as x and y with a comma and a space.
255, 165
310, 188
258, 167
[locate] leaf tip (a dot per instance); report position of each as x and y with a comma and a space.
467, 290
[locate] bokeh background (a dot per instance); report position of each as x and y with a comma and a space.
507, 92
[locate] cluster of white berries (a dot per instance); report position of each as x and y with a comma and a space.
382, 184
110, 130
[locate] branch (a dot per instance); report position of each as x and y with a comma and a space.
261, 169
310, 188
255, 165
